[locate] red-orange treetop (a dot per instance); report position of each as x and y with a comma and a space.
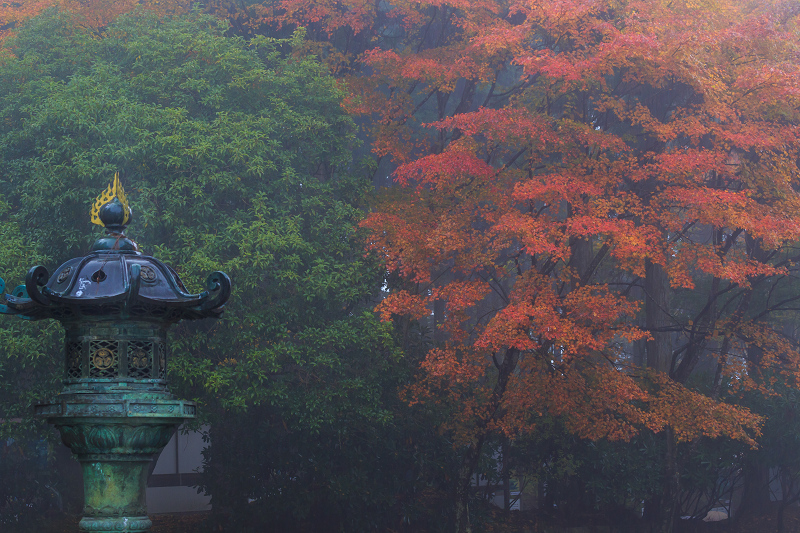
92, 13
572, 148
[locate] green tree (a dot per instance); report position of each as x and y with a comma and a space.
236, 157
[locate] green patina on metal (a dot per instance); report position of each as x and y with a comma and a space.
115, 412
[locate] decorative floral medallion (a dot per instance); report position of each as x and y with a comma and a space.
148, 273
64, 274
103, 359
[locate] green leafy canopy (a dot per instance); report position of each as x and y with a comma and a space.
236, 157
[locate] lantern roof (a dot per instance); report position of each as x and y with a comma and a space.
115, 280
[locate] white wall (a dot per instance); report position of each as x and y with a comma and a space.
176, 466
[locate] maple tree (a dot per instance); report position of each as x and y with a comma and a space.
596, 198
90, 13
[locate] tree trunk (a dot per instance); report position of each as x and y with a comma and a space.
581, 255
658, 357
755, 494
506, 475
657, 319
464, 487
672, 484
470, 460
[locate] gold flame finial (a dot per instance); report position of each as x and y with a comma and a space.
114, 190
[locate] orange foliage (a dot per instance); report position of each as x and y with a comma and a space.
92, 13
548, 153
578, 149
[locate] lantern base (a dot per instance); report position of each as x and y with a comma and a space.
132, 524
115, 437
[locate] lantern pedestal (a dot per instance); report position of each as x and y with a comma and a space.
115, 437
